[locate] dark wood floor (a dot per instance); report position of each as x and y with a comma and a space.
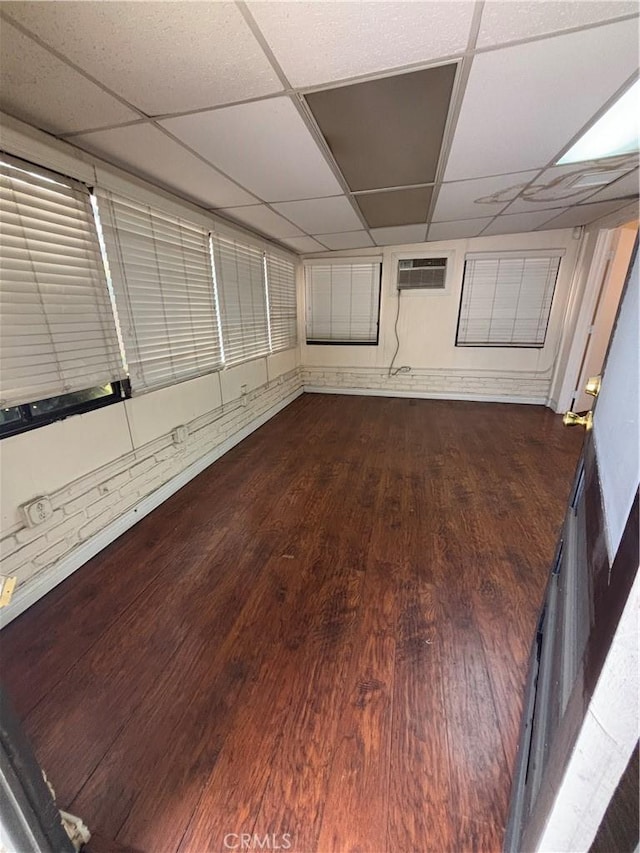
322, 638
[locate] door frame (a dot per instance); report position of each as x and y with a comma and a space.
596, 280
29, 817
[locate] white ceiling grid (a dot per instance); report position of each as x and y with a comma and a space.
207, 99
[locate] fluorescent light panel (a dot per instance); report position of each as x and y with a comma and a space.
617, 132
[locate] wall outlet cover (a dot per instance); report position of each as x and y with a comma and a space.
180, 434
37, 511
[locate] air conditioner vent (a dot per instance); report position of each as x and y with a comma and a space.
422, 273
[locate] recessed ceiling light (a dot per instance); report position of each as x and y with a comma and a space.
598, 179
617, 132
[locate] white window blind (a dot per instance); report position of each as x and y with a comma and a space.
281, 279
342, 302
239, 272
57, 327
506, 300
160, 268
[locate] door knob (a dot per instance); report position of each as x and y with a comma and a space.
572, 419
592, 388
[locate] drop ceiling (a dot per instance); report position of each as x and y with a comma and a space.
337, 125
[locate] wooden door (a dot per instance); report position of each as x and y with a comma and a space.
563, 778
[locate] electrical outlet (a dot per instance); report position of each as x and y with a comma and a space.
37, 511
7, 585
243, 392
180, 434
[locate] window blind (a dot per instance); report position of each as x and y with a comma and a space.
281, 279
342, 302
506, 301
57, 328
160, 267
239, 273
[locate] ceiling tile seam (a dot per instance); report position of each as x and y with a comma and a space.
393, 189
147, 120
269, 206
602, 187
566, 206
383, 74
446, 59
484, 215
455, 106
262, 41
547, 222
145, 117
254, 99
335, 233
263, 234
203, 159
250, 230
595, 118
388, 72
60, 56
499, 175
490, 48
70, 135
312, 126
285, 201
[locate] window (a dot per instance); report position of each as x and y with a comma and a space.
240, 281
343, 302
281, 282
160, 267
17, 419
506, 299
58, 334
100, 294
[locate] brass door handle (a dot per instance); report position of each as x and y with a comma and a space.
572, 419
592, 388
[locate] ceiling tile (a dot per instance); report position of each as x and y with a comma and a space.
321, 215
626, 186
347, 240
583, 214
316, 42
518, 223
481, 197
259, 216
44, 91
399, 235
523, 104
304, 244
396, 207
264, 145
503, 22
399, 151
162, 57
149, 153
457, 230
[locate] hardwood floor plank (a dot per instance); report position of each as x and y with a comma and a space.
324, 636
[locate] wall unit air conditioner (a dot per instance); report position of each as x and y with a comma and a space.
422, 273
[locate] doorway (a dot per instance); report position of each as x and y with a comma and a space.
607, 274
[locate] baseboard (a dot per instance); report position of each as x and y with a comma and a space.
427, 395
50, 577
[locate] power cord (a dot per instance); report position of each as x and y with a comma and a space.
405, 367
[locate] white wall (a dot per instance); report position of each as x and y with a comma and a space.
616, 421
427, 331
